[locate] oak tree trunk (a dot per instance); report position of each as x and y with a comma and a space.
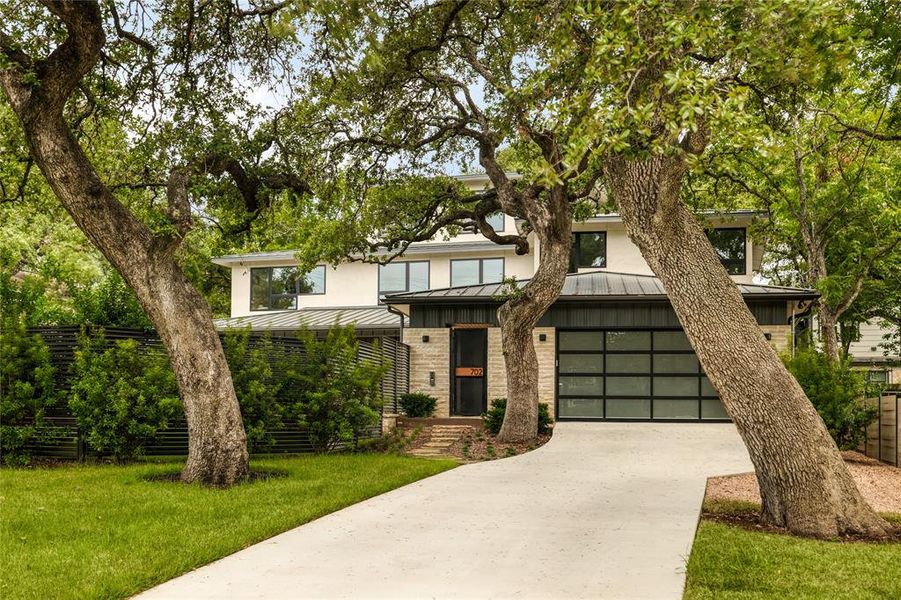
828, 332
804, 483
518, 316
217, 448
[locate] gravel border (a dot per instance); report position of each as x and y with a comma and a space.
879, 483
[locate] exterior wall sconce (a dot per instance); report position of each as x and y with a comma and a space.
542, 337
432, 378
425, 339
768, 335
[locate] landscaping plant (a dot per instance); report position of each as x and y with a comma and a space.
418, 405
836, 391
333, 394
122, 395
250, 362
27, 390
494, 418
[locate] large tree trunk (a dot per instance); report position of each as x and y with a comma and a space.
217, 452
828, 330
804, 483
518, 316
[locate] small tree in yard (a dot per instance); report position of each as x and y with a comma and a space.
27, 389
122, 395
836, 391
333, 394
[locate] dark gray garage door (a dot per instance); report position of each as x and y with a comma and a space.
632, 375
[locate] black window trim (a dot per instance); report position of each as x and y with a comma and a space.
269, 294
744, 230
406, 263
576, 255
481, 268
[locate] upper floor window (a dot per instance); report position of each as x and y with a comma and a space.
403, 277
477, 270
277, 288
496, 221
730, 245
589, 250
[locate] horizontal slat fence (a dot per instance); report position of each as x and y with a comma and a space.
884, 433
62, 439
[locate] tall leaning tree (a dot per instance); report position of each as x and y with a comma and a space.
168, 76
581, 96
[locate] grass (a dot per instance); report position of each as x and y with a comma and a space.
735, 563
107, 532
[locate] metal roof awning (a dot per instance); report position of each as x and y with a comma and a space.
362, 317
594, 286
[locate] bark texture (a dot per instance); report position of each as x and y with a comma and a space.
804, 483
552, 223
217, 448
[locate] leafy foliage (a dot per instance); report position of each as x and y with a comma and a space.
835, 390
27, 389
122, 395
329, 391
494, 418
257, 387
418, 404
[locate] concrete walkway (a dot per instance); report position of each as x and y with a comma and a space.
603, 510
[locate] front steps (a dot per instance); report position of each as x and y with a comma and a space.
440, 439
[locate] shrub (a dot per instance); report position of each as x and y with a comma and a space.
494, 418
835, 391
122, 395
27, 390
417, 404
249, 360
335, 396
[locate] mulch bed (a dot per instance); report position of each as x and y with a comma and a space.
879, 483
481, 445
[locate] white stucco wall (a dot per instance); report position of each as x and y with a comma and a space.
357, 284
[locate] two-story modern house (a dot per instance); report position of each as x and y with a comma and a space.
610, 348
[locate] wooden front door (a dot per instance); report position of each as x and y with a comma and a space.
469, 370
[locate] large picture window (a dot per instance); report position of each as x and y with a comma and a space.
475, 271
403, 277
277, 288
589, 250
730, 244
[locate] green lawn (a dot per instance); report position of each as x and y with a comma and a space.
105, 531
730, 562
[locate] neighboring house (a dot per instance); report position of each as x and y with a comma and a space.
610, 348
869, 353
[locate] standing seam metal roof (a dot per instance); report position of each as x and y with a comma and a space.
368, 317
595, 284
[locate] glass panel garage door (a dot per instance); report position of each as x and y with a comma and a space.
628, 374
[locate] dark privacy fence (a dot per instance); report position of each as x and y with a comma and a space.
66, 442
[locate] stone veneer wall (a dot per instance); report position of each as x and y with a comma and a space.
546, 351
781, 336
433, 355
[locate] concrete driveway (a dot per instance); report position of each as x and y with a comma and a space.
604, 510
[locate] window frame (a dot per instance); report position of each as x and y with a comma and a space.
406, 263
298, 293
744, 264
481, 262
575, 258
